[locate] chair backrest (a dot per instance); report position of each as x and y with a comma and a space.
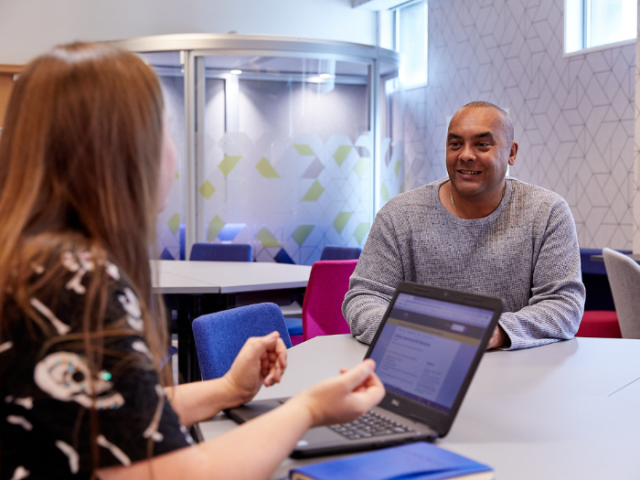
331, 252
222, 252
624, 277
220, 336
322, 306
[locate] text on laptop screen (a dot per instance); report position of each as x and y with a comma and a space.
426, 348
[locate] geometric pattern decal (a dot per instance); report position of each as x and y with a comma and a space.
313, 193
293, 170
573, 116
174, 223
341, 221
266, 169
341, 154
214, 228
206, 189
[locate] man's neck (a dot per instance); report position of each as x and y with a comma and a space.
466, 208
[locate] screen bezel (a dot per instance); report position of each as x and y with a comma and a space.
439, 421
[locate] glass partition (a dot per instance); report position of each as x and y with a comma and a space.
287, 161
289, 145
170, 234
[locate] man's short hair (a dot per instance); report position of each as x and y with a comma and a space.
507, 124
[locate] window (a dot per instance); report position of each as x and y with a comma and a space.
594, 23
411, 42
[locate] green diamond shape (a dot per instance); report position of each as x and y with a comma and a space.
266, 238
313, 193
361, 232
228, 163
362, 166
341, 220
215, 227
301, 233
174, 223
341, 154
384, 193
397, 169
266, 169
304, 150
206, 189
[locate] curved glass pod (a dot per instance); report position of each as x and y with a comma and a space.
288, 144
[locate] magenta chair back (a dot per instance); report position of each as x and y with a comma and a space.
322, 306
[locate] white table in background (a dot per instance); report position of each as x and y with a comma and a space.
569, 410
205, 287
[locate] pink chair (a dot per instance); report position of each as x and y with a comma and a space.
322, 306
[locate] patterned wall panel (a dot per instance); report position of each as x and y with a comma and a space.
636, 177
573, 116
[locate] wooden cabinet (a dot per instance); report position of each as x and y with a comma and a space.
7, 73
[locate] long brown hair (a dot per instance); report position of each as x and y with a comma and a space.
79, 167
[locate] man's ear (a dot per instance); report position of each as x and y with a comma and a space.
513, 153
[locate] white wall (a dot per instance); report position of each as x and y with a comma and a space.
573, 116
29, 27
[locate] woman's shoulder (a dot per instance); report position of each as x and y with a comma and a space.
61, 284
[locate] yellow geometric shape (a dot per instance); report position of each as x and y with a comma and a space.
384, 193
397, 169
266, 169
215, 227
206, 189
301, 233
313, 193
341, 221
266, 238
228, 163
362, 166
361, 232
304, 150
176, 175
341, 154
174, 223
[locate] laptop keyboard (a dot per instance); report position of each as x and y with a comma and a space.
369, 425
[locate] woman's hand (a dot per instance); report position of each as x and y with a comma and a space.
343, 399
261, 361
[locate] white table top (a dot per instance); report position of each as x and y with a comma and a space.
191, 277
563, 411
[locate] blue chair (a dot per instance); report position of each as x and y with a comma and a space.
331, 252
222, 252
220, 336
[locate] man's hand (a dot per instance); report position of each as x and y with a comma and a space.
262, 360
344, 398
498, 338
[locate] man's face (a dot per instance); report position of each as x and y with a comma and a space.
478, 153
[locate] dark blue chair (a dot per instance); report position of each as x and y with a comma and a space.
596, 282
331, 252
220, 336
222, 252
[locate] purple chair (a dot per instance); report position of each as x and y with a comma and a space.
222, 252
331, 252
322, 306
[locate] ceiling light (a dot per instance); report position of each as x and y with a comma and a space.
236, 72
315, 79
326, 75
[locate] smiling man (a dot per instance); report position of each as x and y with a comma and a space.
477, 231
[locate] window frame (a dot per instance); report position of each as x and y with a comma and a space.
396, 40
582, 34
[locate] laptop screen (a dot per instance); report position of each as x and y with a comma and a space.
426, 348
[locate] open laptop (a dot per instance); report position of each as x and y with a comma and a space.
427, 349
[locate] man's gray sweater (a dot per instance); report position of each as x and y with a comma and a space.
525, 252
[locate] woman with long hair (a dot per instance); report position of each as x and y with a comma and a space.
85, 165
